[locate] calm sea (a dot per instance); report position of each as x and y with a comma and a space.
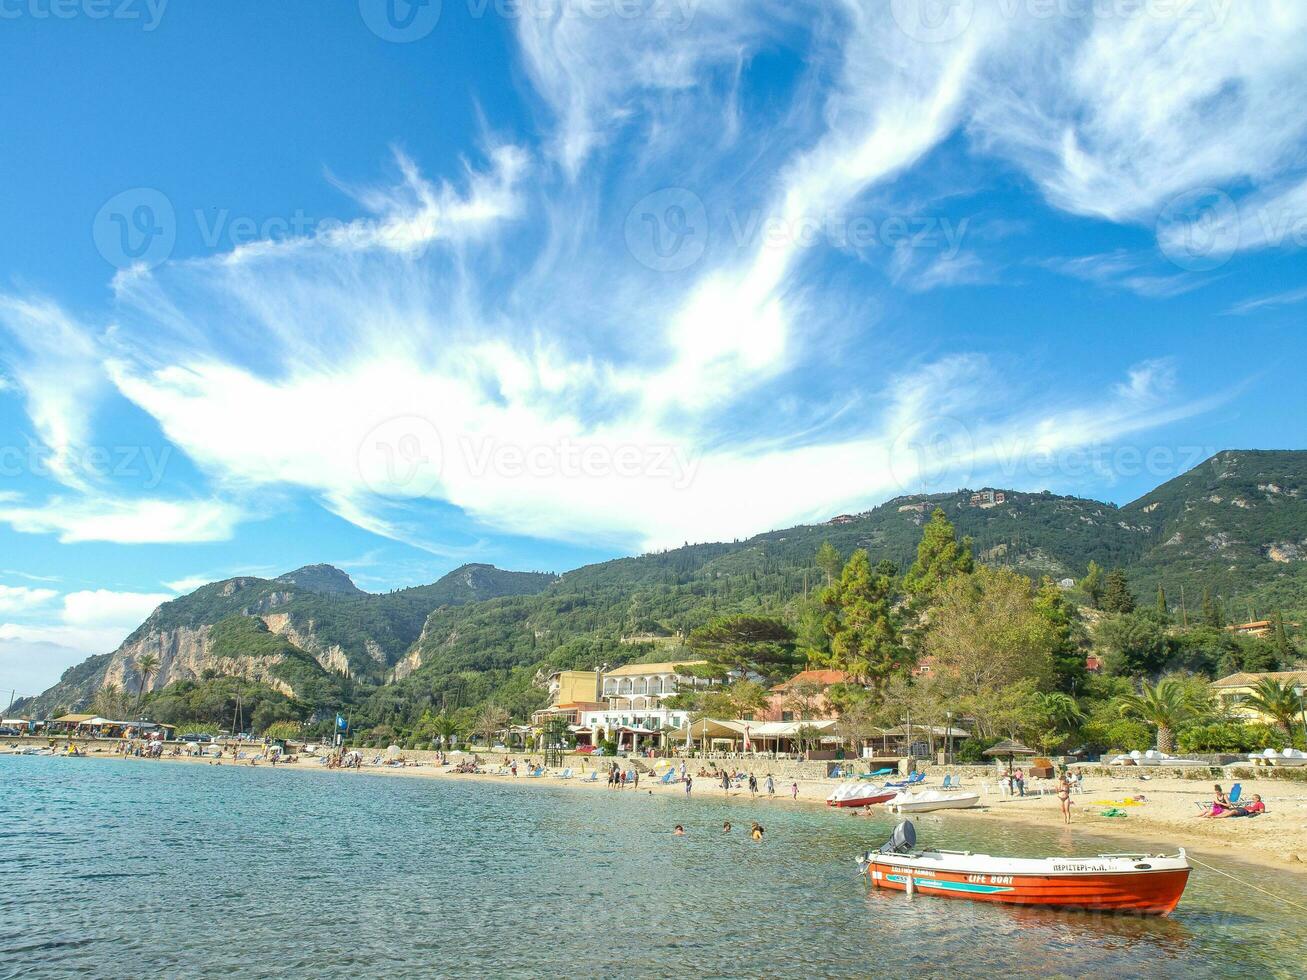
138, 869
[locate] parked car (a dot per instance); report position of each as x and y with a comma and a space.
6, 730
196, 737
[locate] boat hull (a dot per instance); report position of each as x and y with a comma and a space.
961, 801
856, 801
1152, 892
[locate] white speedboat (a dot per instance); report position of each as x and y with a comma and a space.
932, 799
857, 794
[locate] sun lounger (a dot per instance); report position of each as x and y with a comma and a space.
593, 777
565, 774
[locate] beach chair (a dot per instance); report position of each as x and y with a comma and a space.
952, 782
593, 777
1235, 792
877, 774
565, 774
668, 777
539, 771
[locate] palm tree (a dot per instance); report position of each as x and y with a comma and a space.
146, 665
1277, 701
445, 728
1164, 705
1062, 710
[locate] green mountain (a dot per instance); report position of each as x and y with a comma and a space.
310, 612
1236, 525
323, 579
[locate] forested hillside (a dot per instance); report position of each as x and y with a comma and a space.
1230, 537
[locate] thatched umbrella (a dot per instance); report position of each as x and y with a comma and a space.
1009, 748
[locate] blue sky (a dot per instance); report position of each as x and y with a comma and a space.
399, 287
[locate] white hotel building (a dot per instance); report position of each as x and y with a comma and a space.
635, 694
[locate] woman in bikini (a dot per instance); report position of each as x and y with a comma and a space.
1064, 797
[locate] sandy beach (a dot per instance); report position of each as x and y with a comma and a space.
1165, 811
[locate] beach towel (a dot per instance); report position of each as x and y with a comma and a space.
1113, 812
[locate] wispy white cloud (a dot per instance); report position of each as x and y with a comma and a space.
1289, 297
135, 521
1124, 269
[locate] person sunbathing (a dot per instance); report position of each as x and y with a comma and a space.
1251, 810
1220, 805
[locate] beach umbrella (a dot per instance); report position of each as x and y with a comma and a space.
1008, 748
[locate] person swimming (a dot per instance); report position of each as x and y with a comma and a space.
756, 832
726, 827
679, 831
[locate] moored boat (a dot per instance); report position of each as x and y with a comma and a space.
933, 799
859, 794
1139, 883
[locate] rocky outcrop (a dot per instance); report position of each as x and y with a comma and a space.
182, 655
330, 657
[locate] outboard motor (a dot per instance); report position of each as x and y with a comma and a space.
902, 840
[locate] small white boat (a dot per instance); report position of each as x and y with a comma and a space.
932, 799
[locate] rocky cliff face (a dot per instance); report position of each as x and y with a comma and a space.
330, 656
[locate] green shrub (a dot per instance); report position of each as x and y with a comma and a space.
1230, 736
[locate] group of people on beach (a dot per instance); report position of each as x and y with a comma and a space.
1223, 807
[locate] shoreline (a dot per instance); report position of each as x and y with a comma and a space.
1275, 840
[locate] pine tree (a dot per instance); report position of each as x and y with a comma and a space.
863, 638
1213, 615
1092, 584
829, 561
1280, 640
940, 557
1117, 597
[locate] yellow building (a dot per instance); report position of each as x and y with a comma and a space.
1232, 691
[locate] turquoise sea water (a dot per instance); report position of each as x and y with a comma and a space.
130, 868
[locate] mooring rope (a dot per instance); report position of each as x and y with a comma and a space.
1247, 884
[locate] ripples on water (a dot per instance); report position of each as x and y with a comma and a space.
131, 868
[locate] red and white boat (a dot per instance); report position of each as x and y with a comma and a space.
1140, 883
859, 794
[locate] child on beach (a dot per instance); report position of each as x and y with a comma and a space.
771, 785
689, 784
794, 789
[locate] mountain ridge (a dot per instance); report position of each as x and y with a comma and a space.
1240, 518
